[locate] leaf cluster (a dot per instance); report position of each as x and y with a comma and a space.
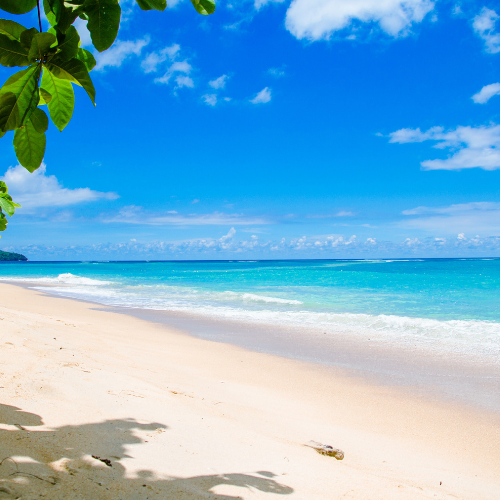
7, 206
53, 63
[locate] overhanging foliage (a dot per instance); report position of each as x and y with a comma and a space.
53, 62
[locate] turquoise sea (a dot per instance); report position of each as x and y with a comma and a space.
445, 304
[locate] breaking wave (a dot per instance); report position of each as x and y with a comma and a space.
66, 279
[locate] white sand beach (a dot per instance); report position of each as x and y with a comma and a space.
184, 418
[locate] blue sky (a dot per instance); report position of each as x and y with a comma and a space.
303, 129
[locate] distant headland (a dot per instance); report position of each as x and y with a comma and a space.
9, 256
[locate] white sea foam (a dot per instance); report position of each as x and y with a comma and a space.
475, 337
66, 278
470, 337
275, 300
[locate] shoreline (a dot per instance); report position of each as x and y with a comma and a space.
204, 419
472, 380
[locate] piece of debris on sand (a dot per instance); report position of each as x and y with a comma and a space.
326, 449
106, 461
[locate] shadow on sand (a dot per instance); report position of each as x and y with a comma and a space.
58, 464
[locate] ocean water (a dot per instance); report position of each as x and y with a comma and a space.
447, 305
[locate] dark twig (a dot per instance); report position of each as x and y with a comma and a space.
33, 475
12, 460
25, 473
39, 16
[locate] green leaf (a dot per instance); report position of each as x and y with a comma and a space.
29, 146
40, 46
104, 22
45, 97
62, 99
3, 222
152, 4
17, 6
39, 120
60, 14
204, 7
3, 187
9, 113
12, 29
52, 10
12, 53
7, 205
66, 19
23, 85
87, 58
27, 37
69, 46
73, 70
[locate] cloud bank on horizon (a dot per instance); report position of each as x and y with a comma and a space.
227, 246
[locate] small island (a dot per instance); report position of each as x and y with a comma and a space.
10, 257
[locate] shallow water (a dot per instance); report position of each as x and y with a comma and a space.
445, 305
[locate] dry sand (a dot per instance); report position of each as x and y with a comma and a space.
184, 418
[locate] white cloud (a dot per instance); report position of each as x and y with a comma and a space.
319, 19
406, 135
276, 72
150, 63
262, 97
136, 215
328, 245
181, 66
154, 59
218, 83
260, 3
341, 213
120, 51
178, 71
235, 26
475, 217
176, 67
229, 235
472, 146
486, 93
184, 81
210, 99
484, 26
39, 190
478, 206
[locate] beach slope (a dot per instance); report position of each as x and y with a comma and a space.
100, 405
